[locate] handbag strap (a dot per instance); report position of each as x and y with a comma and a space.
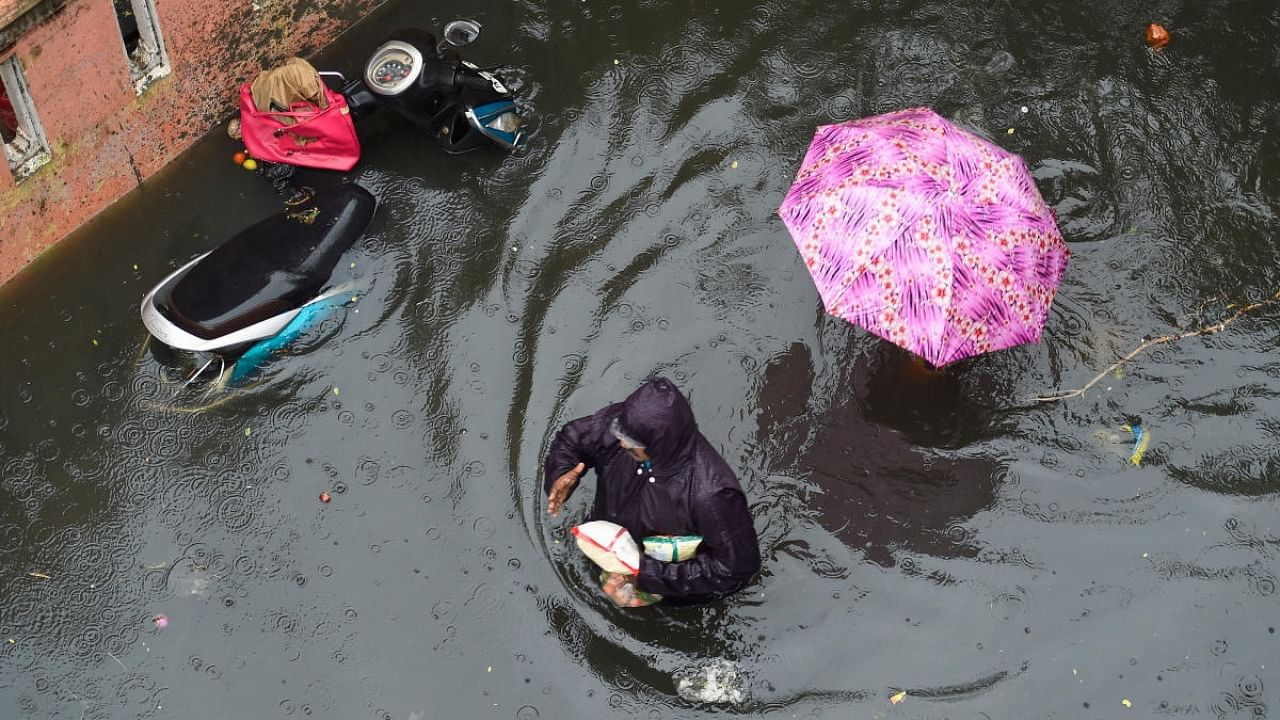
337, 103
331, 96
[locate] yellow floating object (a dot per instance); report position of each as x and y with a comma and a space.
898, 697
1141, 439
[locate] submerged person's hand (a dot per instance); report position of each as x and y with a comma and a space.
561, 488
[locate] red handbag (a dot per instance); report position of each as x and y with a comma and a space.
322, 138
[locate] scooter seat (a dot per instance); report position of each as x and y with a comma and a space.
270, 267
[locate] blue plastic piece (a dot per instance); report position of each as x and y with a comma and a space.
488, 114
260, 352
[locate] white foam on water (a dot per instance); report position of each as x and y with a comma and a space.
719, 681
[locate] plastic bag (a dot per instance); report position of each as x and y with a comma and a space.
622, 590
609, 545
671, 548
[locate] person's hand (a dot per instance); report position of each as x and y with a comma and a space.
561, 488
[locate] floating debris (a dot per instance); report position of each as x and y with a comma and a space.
720, 681
1000, 63
1141, 440
160, 621
1157, 36
898, 697
325, 497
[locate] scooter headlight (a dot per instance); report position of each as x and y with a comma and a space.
499, 121
507, 122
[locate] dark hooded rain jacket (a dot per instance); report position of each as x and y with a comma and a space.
688, 490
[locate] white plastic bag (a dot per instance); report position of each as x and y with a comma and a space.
609, 545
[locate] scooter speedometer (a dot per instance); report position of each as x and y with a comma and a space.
393, 68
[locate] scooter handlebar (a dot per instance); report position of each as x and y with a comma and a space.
342, 79
468, 80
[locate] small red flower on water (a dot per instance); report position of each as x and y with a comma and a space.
325, 497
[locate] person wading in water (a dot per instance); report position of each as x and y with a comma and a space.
657, 475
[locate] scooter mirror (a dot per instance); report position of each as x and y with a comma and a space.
461, 32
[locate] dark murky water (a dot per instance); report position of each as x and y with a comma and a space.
947, 536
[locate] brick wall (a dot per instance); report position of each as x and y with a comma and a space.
105, 139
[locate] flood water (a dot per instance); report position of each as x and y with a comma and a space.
949, 536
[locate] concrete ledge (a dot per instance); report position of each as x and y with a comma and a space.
19, 16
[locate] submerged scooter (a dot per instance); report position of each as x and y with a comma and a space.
459, 104
236, 304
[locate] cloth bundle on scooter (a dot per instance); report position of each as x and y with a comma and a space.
279, 88
288, 115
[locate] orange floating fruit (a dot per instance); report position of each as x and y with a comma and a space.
239, 158
1157, 36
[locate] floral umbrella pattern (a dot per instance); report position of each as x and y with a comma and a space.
926, 235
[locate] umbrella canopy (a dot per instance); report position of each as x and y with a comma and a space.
926, 235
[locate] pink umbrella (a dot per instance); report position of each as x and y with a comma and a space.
926, 235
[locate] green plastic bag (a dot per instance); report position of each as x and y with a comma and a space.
672, 548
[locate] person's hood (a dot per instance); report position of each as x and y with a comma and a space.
660, 417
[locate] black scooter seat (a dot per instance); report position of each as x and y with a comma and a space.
270, 267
